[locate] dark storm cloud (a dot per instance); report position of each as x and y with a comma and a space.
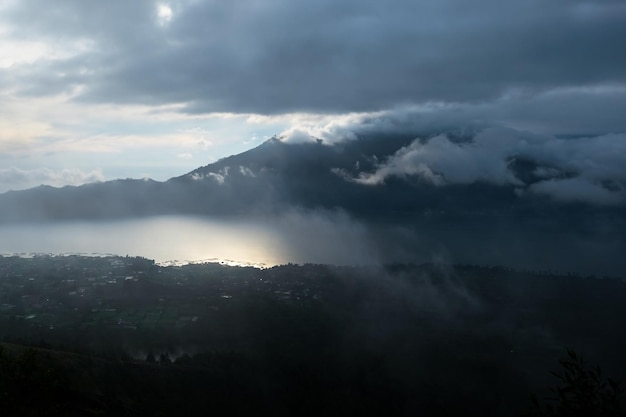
276, 56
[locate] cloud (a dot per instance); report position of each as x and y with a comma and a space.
295, 135
246, 172
588, 169
15, 178
275, 56
452, 146
164, 14
218, 177
179, 75
578, 190
332, 129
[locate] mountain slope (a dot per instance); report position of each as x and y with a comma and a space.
370, 177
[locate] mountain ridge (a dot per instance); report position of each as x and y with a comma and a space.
313, 175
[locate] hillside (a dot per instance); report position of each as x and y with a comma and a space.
302, 340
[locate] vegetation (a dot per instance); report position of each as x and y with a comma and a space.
583, 392
122, 336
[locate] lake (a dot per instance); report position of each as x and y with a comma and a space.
180, 239
328, 237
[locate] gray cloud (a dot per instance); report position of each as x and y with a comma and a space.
323, 56
588, 169
454, 146
579, 189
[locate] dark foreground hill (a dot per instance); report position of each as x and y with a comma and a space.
49, 382
307, 340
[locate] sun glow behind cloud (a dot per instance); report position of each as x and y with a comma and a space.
164, 14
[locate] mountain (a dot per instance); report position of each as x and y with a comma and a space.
313, 175
485, 197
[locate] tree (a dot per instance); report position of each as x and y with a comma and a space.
150, 358
165, 358
583, 393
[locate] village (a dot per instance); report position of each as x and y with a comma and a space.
47, 294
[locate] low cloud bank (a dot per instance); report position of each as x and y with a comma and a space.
333, 129
589, 169
458, 148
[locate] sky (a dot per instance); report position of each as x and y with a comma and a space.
95, 90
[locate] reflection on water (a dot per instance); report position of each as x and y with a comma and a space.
178, 239
162, 239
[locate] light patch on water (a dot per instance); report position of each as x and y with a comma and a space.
175, 240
